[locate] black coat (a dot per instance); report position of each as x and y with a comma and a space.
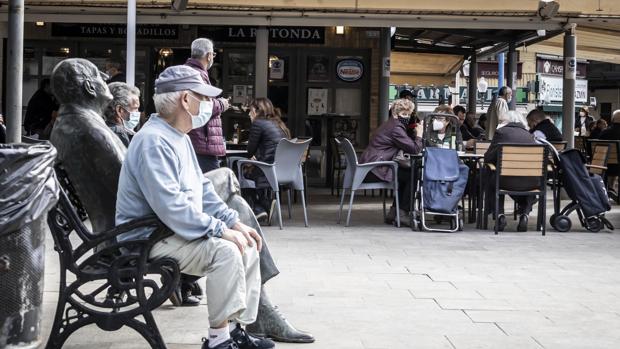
552, 134
511, 133
588, 122
264, 138
612, 133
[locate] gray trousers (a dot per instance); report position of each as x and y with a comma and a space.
227, 187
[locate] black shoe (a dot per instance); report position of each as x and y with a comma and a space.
245, 340
501, 225
522, 223
229, 344
261, 217
175, 298
196, 290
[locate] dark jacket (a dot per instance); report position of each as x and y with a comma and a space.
2, 134
475, 132
552, 134
388, 139
612, 133
264, 137
589, 120
121, 132
209, 139
513, 132
39, 112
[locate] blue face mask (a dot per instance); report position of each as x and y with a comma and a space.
205, 111
134, 119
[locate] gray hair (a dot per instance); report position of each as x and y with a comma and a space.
121, 96
512, 116
201, 47
166, 103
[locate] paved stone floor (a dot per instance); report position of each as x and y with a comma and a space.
371, 285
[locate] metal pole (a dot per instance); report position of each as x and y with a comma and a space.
472, 89
512, 74
15, 55
568, 91
130, 70
384, 78
500, 70
262, 62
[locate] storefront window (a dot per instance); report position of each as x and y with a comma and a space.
53, 56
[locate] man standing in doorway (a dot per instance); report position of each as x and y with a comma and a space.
496, 109
208, 141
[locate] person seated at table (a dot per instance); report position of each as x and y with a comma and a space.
613, 133
443, 133
266, 132
597, 127
388, 139
514, 130
542, 127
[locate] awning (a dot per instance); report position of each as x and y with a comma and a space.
598, 44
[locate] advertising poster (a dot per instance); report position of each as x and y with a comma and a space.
317, 101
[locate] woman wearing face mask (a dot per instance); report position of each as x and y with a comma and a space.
583, 122
266, 132
122, 114
443, 134
387, 140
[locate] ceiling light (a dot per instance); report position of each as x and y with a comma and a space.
40, 24
339, 30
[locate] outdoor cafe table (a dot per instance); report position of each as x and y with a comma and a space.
475, 197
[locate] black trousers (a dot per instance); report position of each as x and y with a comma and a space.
404, 186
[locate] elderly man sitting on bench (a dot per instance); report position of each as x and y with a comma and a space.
160, 175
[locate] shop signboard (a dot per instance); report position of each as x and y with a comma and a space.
556, 67
100, 30
350, 70
290, 35
491, 70
434, 94
551, 89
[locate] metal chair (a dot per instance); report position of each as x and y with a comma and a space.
286, 171
338, 165
354, 179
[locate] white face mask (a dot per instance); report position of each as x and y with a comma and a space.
437, 125
134, 119
205, 111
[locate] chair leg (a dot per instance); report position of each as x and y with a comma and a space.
289, 203
303, 204
496, 212
543, 217
384, 191
395, 191
341, 203
350, 206
279, 209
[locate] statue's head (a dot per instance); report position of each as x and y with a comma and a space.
78, 81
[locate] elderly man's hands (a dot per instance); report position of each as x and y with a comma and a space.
242, 236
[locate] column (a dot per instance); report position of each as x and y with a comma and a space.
130, 69
472, 89
15, 59
568, 91
500, 70
512, 74
384, 78
262, 62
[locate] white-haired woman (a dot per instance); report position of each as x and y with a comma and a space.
512, 128
387, 140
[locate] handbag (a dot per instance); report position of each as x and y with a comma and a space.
402, 159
